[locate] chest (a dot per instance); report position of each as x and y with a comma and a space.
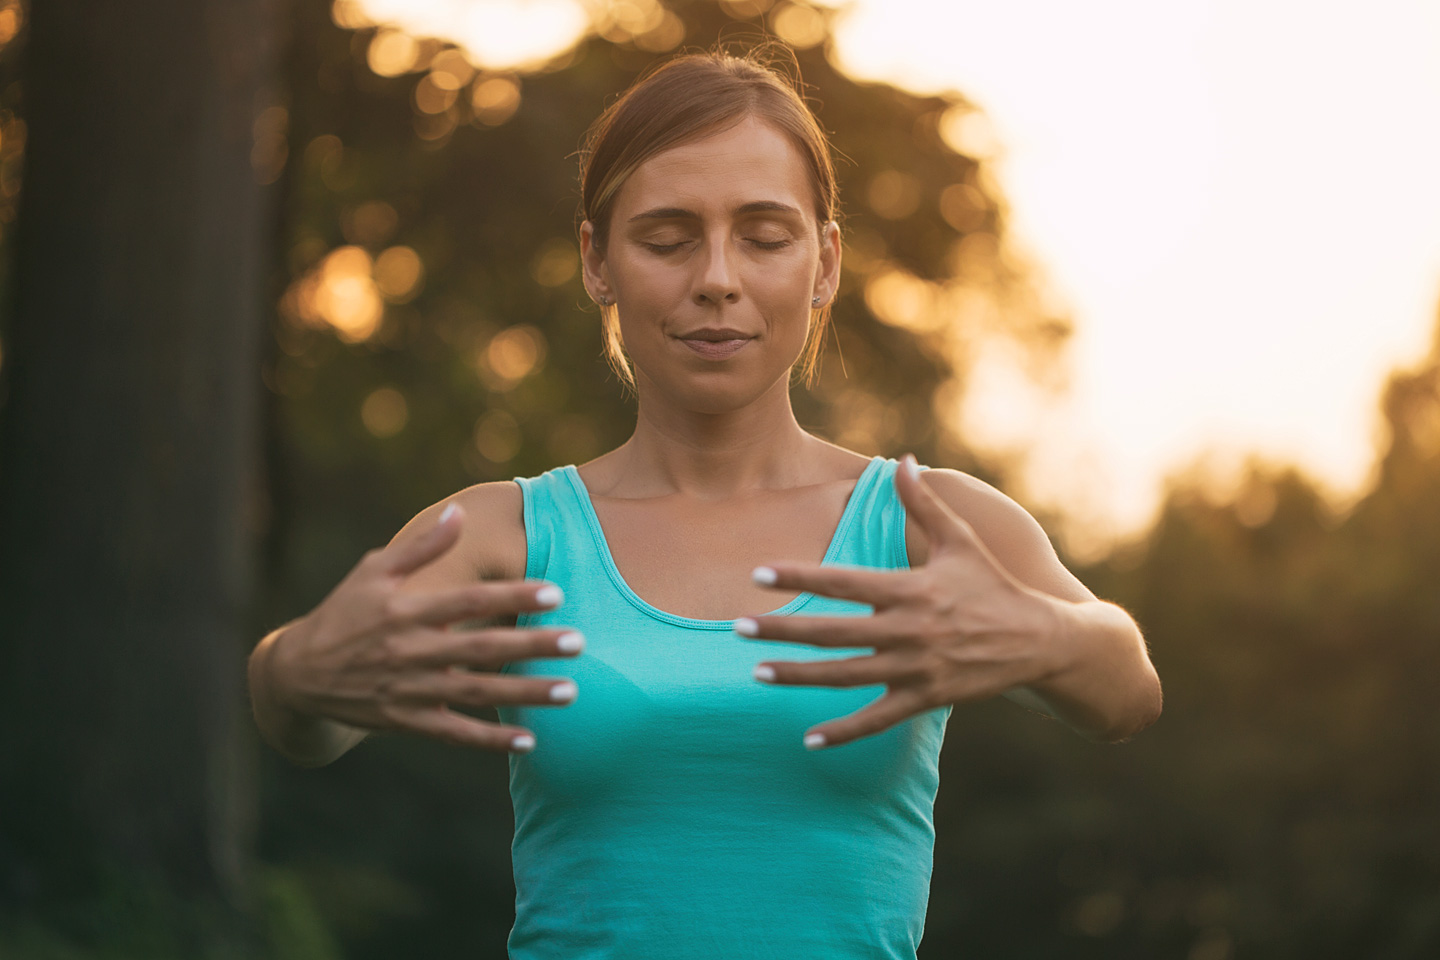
695, 559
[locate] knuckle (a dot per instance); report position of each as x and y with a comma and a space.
394, 609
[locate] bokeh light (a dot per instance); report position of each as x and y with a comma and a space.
555, 262
497, 436
398, 272
495, 100
385, 412
339, 293
511, 355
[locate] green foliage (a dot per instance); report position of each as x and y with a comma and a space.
139, 916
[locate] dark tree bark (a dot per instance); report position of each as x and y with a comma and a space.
129, 501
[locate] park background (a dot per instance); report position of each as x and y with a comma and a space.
278, 275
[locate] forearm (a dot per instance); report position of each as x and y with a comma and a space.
1103, 684
304, 740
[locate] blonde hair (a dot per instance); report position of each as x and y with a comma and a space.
684, 99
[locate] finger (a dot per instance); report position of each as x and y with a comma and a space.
465, 688
473, 601
940, 524
492, 648
843, 672
460, 730
406, 554
877, 716
878, 588
818, 631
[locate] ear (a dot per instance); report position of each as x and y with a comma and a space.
592, 264
827, 276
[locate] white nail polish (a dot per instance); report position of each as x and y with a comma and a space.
765, 673
814, 741
570, 643
449, 511
911, 467
563, 692
747, 627
765, 576
549, 596
524, 743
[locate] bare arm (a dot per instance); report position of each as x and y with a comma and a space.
304, 739
379, 652
1103, 684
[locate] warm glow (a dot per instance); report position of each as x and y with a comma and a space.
903, 300
495, 100
512, 354
495, 34
798, 26
385, 412
893, 194
392, 52
1235, 201
398, 272
497, 436
555, 262
338, 293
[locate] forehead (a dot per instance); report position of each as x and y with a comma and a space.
751, 161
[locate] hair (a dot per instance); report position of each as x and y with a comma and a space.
684, 99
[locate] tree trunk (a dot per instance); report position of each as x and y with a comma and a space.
129, 502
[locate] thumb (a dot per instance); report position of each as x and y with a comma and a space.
941, 526
416, 546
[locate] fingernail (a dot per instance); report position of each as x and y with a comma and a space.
763, 672
747, 627
549, 596
911, 467
814, 741
524, 743
563, 692
570, 643
447, 512
765, 576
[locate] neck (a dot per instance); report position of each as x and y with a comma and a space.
711, 456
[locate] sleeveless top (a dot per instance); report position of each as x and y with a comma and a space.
672, 810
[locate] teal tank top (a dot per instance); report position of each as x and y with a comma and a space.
672, 811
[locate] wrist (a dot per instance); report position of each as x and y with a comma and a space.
1057, 647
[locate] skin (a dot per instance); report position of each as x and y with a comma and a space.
718, 479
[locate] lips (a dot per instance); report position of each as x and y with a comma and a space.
717, 343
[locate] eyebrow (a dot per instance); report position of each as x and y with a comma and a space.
680, 213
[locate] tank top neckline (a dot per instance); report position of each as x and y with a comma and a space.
602, 546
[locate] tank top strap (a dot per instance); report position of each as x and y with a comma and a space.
876, 534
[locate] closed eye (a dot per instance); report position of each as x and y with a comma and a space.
666, 247
771, 244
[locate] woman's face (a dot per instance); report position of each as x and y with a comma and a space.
712, 259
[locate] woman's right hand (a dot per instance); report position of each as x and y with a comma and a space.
376, 656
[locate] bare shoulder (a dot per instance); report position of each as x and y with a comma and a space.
1008, 531
492, 538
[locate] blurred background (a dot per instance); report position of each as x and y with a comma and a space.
278, 274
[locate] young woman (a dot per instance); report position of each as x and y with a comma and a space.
720, 782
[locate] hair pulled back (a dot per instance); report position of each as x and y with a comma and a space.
684, 99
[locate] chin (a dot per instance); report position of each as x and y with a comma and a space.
710, 394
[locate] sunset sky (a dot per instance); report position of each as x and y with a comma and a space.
1236, 201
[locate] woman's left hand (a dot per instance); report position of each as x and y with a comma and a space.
959, 628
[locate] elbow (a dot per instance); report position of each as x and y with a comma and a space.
1145, 711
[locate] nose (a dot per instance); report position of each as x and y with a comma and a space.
718, 280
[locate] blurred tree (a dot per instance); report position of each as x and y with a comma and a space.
128, 441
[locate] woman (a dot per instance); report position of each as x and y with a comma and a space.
719, 783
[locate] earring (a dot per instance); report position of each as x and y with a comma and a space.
604, 301
814, 301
